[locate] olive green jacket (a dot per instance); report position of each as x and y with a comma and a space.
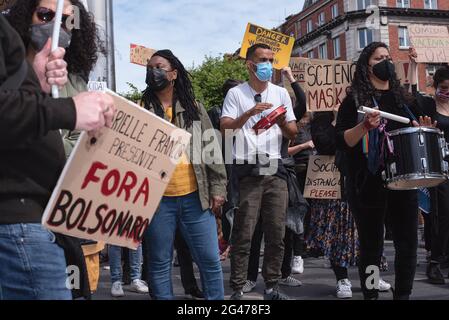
209, 167
74, 86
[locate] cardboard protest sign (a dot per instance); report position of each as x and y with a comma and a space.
113, 183
5, 4
431, 43
324, 81
281, 44
323, 179
140, 55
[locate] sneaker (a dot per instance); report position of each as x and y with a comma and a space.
290, 282
195, 294
298, 265
435, 275
275, 294
384, 286
249, 286
139, 286
117, 290
344, 289
237, 296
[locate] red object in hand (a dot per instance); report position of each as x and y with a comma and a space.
268, 122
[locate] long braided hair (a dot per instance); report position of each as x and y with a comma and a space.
183, 91
362, 88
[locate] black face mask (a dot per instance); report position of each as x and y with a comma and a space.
157, 79
384, 70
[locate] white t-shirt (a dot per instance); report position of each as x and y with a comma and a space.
247, 144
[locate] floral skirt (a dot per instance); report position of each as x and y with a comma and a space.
333, 232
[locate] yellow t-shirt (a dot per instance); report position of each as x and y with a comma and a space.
183, 181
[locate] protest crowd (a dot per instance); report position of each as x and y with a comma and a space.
282, 176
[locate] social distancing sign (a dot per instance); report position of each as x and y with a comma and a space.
281, 44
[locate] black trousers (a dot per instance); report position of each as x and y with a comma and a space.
439, 222
369, 206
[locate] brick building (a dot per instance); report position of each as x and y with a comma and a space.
340, 29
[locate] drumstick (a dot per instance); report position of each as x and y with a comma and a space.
385, 115
55, 39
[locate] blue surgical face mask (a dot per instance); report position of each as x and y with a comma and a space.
264, 71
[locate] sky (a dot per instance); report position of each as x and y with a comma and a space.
191, 29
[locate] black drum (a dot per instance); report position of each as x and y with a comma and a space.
418, 160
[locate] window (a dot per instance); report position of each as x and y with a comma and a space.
322, 51
321, 19
335, 11
403, 3
309, 26
310, 54
365, 37
404, 41
430, 4
363, 4
337, 53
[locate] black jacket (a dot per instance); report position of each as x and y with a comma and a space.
31, 150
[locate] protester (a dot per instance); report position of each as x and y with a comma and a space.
196, 190
261, 194
33, 20
32, 160
376, 85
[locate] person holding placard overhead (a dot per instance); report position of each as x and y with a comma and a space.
197, 189
263, 189
376, 85
32, 264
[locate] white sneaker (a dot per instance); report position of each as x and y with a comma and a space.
139, 286
298, 265
117, 290
290, 282
344, 289
384, 286
249, 286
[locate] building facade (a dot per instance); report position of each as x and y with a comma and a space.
340, 29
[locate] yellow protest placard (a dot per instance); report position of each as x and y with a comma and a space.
113, 182
140, 55
323, 179
431, 42
281, 44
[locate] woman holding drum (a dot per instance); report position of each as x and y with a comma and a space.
367, 146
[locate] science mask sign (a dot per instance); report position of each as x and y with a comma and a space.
113, 183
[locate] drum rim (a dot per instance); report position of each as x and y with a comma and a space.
415, 176
411, 130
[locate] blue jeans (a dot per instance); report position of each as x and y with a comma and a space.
115, 261
32, 265
199, 230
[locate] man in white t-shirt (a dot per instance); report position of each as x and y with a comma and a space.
263, 191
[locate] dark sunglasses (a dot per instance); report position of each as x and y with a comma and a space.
47, 15
258, 98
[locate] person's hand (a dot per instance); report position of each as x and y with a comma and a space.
50, 67
94, 110
287, 72
259, 108
310, 145
372, 120
216, 203
412, 54
425, 122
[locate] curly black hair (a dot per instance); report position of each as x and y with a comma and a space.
440, 76
85, 46
183, 91
363, 89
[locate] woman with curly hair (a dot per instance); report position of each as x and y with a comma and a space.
376, 85
34, 20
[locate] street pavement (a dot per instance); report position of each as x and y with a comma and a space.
318, 283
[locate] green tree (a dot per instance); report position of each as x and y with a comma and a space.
208, 78
134, 94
